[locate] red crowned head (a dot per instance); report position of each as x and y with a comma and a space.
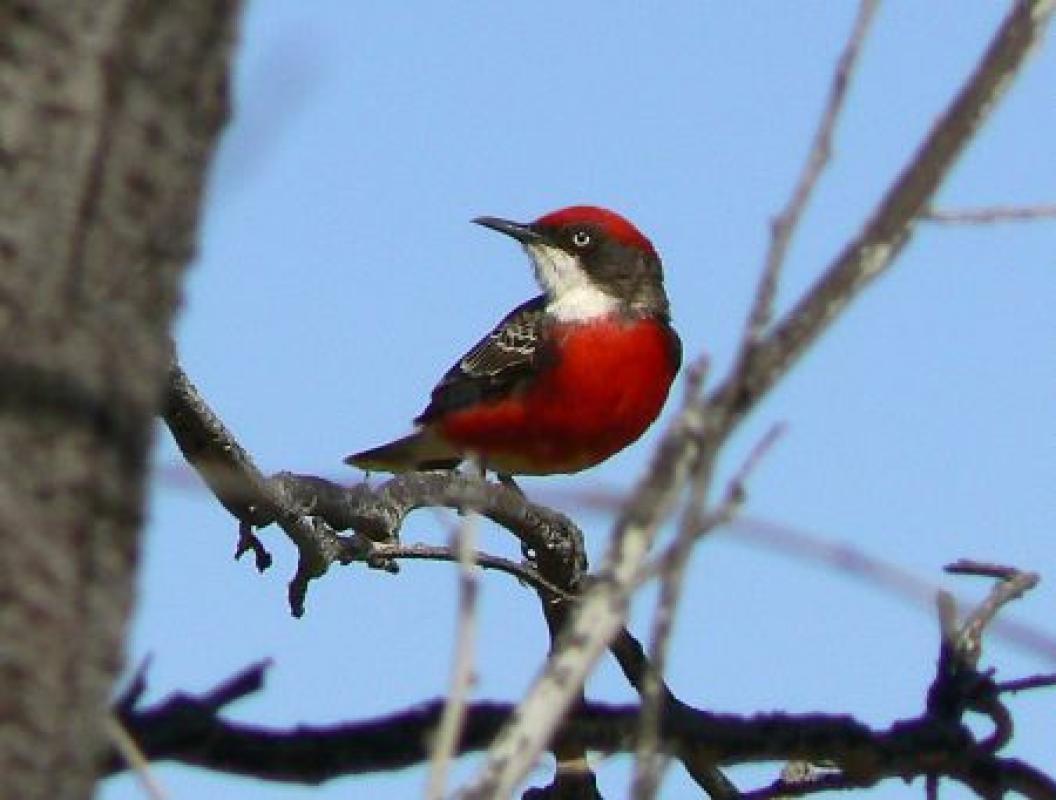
614, 226
590, 261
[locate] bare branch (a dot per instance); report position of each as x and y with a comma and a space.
384, 552
834, 554
243, 490
237, 687
671, 566
788, 787
1026, 684
312, 510
982, 569
462, 665
784, 224
555, 543
692, 442
877, 571
933, 745
959, 686
1012, 584
989, 216
189, 730
890, 226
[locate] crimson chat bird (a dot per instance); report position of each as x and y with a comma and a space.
568, 378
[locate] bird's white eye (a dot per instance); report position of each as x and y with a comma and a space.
581, 238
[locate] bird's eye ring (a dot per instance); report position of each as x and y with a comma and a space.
581, 238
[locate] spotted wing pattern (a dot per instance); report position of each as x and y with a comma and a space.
497, 364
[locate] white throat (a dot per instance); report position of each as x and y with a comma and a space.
574, 297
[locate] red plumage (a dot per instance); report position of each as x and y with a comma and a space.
603, 391
566, 379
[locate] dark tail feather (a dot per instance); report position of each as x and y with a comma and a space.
420, 450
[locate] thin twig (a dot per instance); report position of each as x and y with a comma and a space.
1025, 684
981, 569
736, 489
881, 573
693, 525
248, 542
819, 154
694, 378
446, 744
959, 685
989, 216
239, 686
834, 554
648, 767
134, 757
425, 552
634, 663
671, 566
1012, 584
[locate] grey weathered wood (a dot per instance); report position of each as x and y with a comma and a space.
109, 112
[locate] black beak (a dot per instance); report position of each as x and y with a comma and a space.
524, 234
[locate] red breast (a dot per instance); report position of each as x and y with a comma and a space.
605, 384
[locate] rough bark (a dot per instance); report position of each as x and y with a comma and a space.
109, 111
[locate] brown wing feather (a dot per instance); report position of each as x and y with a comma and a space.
495, 366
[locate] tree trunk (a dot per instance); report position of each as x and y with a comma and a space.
109, 112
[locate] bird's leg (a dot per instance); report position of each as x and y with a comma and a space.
531, 558
508, 481
472, 466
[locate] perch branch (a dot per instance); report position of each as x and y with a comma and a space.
312, 510
240, 486
378, 514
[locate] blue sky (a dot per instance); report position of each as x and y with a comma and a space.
338, 277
